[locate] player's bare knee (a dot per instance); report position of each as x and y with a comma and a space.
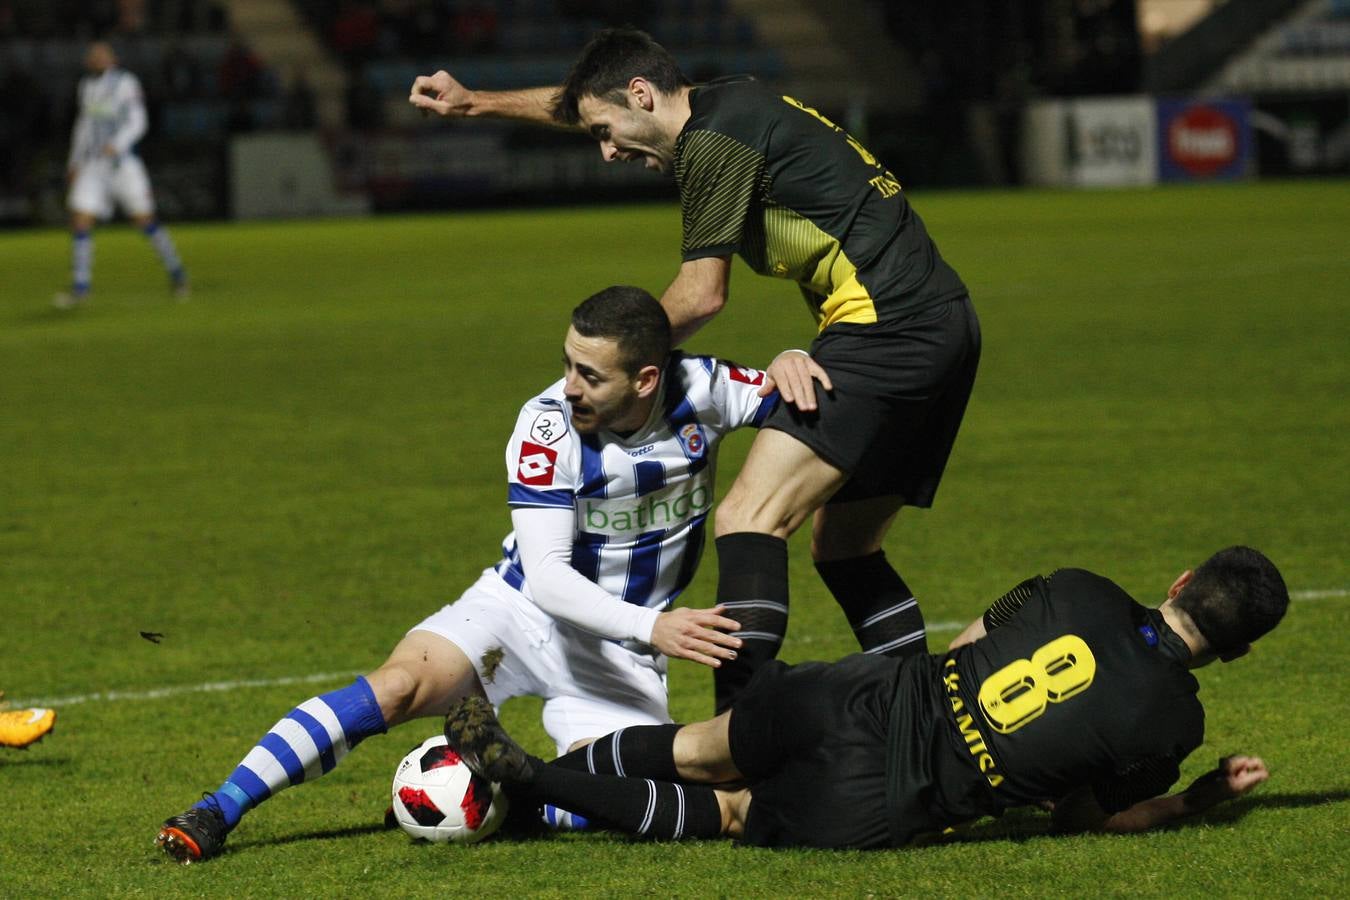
740, 512
395, 687
702, 752
728, 517
734, 807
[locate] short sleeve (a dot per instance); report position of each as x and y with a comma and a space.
540, 471
1005, 608
718, 177
736, 393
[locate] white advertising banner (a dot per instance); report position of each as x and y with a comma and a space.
1091, 142
1111, 141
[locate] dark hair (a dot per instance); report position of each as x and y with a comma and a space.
1234, 597
608, 62
631, 317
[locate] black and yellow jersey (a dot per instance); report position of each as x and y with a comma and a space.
797, 197
1077, 685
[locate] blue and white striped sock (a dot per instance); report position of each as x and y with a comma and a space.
307, 743
81, 261
561, 820
168, 253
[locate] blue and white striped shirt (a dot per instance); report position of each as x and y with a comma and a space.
640, 503
112, 111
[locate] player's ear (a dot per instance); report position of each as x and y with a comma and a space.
648, 379
643, 93
1182, 580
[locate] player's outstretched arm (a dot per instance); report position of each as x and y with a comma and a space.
1233, 777
544, 537
698, 293
442, 94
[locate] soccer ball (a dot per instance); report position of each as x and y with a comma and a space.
438, 798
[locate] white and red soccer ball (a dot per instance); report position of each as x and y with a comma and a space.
438, 798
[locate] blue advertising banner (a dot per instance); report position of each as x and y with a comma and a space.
1204, 140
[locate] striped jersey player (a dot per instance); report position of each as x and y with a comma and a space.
105, 174
610, 479
621, 518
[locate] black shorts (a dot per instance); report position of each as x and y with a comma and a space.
900, 392
811, 741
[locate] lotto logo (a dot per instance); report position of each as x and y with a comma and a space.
535, 466
746, 376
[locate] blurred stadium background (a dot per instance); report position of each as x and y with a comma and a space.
298, 107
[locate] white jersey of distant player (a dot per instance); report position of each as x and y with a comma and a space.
641, 502
112, 114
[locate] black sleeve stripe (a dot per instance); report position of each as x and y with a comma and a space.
1003, 609
718, 178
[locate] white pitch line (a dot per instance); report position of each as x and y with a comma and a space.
177, 690
1320, 595
214, 686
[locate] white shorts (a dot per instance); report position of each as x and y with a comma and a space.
103, 182
590, 685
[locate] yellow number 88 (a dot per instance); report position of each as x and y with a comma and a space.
1019, 692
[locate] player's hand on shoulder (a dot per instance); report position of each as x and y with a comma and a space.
700, 635
442, 94
792, 373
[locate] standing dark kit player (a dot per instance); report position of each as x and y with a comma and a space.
897, 344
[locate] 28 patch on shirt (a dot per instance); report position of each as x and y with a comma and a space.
535, 465
548, 427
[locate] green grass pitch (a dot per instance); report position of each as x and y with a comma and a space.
284, 474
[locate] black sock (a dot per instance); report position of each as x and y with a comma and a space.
638, 751
752, 583
880, 607
661, 810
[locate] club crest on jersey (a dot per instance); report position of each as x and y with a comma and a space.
535, 465
548, 427
744, 375
693, 441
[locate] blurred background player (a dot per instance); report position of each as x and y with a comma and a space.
772, 180
20, 728
105, 173
1066, 692
611, 477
